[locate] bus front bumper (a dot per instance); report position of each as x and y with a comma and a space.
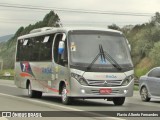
80, 91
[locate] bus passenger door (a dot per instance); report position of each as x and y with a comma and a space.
60, 58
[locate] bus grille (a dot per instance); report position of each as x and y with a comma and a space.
109, 83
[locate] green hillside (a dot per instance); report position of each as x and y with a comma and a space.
145, 42
5, 38
7, 50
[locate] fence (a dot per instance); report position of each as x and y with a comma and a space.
11, 77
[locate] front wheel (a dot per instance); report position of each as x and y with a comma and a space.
144, 94
65, 99
118, 101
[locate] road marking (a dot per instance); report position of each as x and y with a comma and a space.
52, 105
3, 118
39, 102
8, 85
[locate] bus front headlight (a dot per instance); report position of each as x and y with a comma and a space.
127, 80
80, 79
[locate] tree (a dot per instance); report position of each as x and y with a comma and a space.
114, 27
156, 19
19, 31
154, 54
7, 50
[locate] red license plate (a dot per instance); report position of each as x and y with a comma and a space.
105, 91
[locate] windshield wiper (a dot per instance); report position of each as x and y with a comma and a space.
103, 59
104, 55
110, 59
94, 60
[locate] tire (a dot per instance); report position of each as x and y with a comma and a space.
118, 101
38, 94
144, 94
65, 99
33, 93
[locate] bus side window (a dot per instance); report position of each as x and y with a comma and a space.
59, 59
19, 50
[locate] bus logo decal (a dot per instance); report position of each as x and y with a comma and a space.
25, 67
105, 82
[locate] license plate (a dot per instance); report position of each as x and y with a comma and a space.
105, 91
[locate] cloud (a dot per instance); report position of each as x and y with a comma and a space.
32, 16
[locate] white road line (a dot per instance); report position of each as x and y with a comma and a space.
8, 85
3, 118
40, 102
52, 105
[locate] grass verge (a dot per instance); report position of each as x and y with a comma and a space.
136, 87
2, 74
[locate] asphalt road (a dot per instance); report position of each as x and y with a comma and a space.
15, 99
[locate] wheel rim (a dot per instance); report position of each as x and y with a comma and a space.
144, 93
64, 94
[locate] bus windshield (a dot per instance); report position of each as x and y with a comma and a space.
84, 47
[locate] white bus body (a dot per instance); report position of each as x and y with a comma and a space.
75, 63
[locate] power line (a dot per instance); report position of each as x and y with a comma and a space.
31, 7
17, 10
13, 22
13, 19
69, 23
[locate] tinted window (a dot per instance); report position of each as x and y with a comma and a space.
60, 59
85, 45
154, 73
55, 50
35, 49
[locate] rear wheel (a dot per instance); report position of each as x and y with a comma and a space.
33, 93
65, 99
144, 94
118, 101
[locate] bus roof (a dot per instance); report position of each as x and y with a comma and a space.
50, 30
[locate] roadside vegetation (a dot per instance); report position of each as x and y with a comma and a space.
145, 44
136, 88
7, 74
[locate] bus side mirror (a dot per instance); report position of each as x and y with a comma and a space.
63, 37
61, 47
129, 47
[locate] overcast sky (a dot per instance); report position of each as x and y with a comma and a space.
12, 18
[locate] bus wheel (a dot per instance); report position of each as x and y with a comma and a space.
65, 99
33, 93
118, 101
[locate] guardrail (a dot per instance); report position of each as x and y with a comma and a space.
136, 82
11, 77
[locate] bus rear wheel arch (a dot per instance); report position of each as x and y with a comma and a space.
33, 93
